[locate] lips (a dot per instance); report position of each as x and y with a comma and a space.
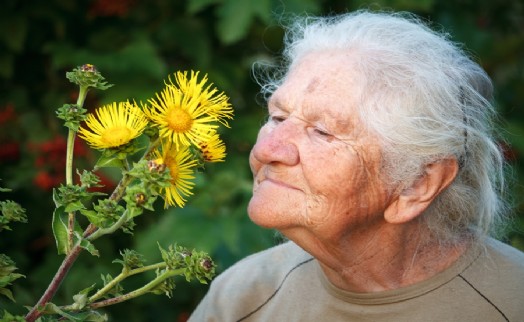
281, 184
274, 177
276, 182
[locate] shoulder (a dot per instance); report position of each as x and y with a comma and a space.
503, 260
497, 276
250, 283
497, 260
504, 257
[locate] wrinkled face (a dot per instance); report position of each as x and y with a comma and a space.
315, 166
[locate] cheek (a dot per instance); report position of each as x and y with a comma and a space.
342, 180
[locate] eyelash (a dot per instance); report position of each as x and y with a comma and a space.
276, 119
321, 132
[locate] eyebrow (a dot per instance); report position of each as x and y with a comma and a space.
278, 104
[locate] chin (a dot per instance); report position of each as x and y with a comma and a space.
257, 215
266, 214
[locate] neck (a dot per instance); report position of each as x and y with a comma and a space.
394, 256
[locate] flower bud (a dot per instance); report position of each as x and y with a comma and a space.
156, 165
206, 264
88, 68
140, 199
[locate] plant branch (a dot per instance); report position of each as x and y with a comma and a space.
69, 166
109, 230
71, 138
138, 292
62, 271
91, 233
122, 276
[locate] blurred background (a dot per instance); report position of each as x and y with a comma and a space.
136, 44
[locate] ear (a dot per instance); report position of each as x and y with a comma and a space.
412, 202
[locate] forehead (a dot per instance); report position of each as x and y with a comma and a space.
322, 86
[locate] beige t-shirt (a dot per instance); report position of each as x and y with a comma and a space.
284, 283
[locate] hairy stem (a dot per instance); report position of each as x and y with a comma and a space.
138, 292
71, 139
69, 167
60, 274
68, 261
122, 276
109, 230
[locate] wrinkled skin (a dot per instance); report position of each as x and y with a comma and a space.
317, 179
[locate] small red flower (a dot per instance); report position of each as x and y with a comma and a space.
45, 181
10, 151
114, 8
7, 114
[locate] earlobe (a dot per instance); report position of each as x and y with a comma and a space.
413, 201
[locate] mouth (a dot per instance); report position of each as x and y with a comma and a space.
278, 183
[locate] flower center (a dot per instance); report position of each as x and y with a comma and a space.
116, 136
179, 120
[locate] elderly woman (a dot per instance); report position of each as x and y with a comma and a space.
379, 164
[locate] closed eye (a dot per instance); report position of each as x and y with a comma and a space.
276, 119
321, 132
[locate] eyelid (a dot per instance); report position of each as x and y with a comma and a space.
322, 131
276, 116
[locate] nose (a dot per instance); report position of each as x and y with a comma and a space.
277, 143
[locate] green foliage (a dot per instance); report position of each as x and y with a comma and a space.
72, 114
7, 275
87, 76
40, 41
11, 212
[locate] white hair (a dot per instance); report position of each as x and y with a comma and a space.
425, 99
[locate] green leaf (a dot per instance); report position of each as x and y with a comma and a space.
195, 6
111, 161
87, 245
93, 217
74, 206
92, 316
235, 18
51, 308
81, 297
6, 292
60, 231
12, 318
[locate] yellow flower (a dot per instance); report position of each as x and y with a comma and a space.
186, 111
113, 125
213, 150
181, 168
217, 104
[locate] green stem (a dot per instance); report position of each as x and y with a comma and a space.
71, 138
69, 166
109, 230
69, 156
138, 292
122, 276
117, 194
